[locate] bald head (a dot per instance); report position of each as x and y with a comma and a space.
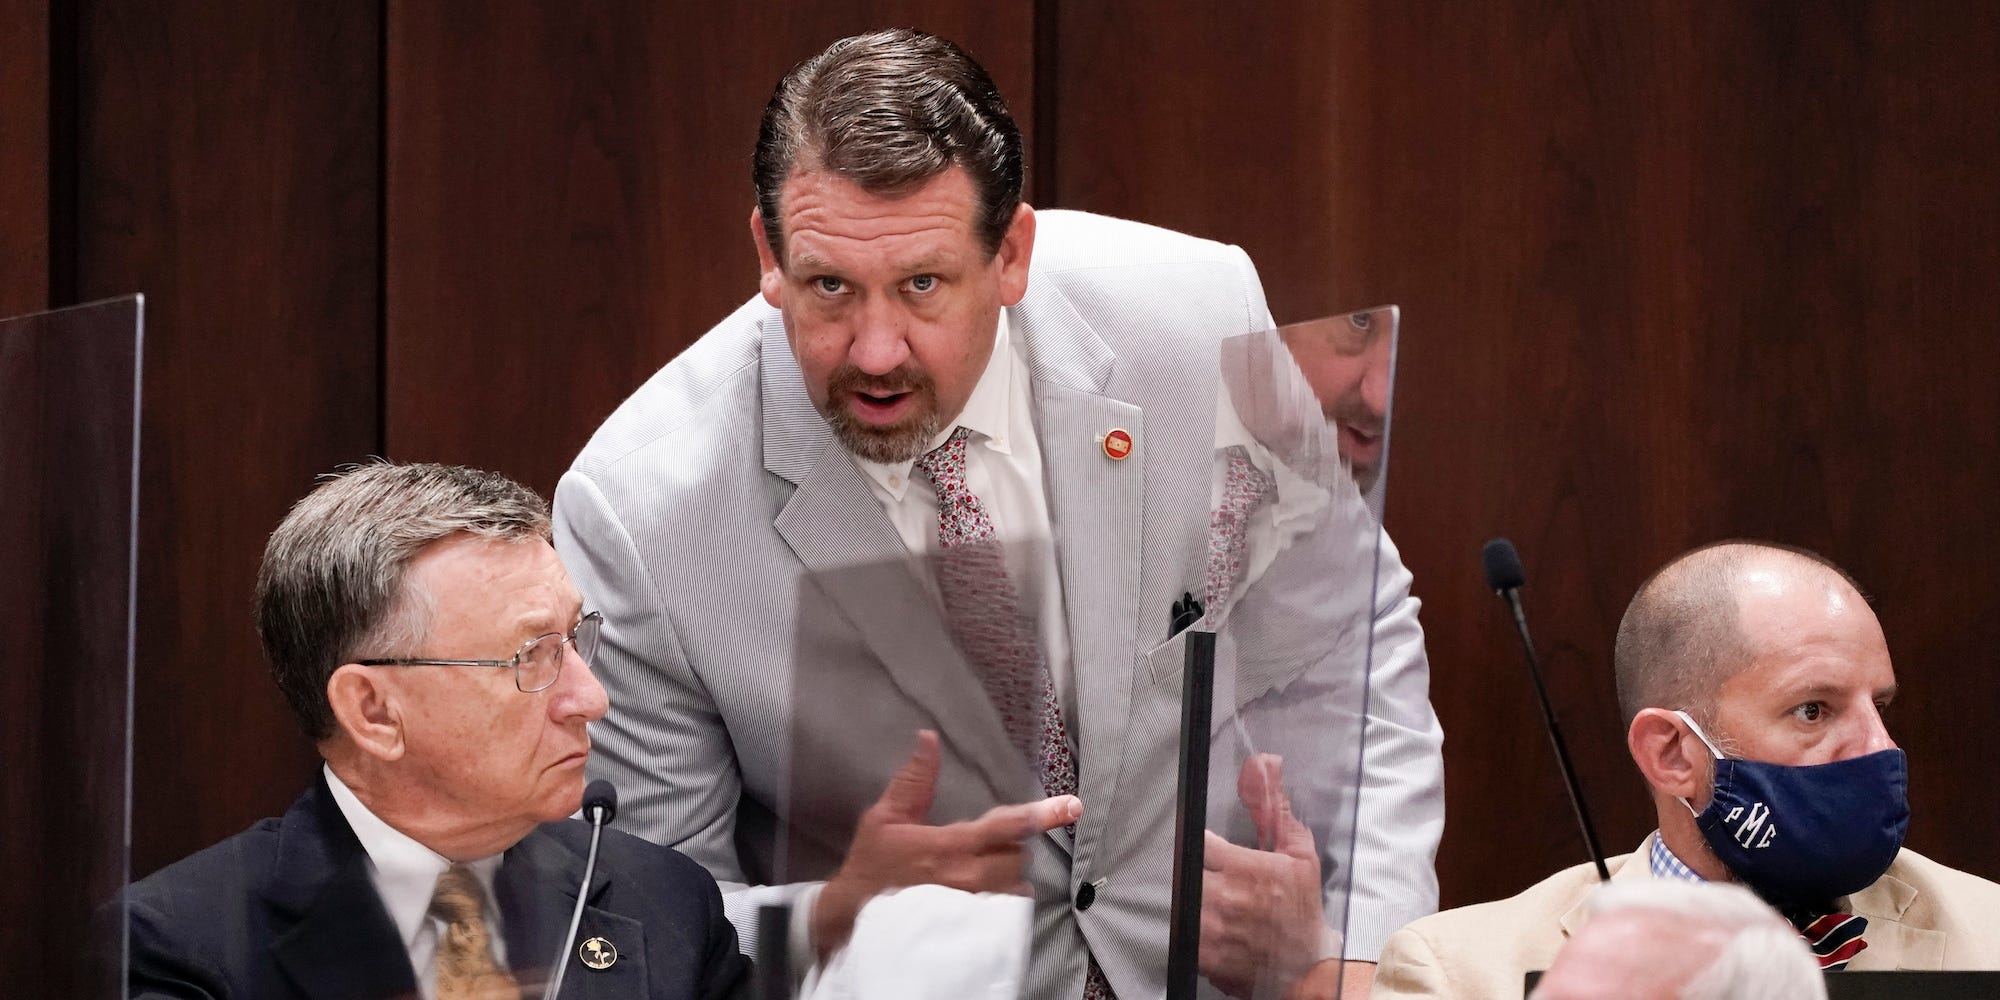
1707, 615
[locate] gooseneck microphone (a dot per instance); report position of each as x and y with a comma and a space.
1504, 575
600, 804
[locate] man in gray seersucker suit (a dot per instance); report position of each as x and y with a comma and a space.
746, 520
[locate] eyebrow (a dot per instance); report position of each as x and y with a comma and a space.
812, 263
930, 262
536, 624
803, 261
1819, 689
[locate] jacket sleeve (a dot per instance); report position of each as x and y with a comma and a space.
726, 973
162, 964
1400, 815
1408, 969
663, 744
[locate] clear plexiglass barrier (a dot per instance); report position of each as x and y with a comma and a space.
69, 404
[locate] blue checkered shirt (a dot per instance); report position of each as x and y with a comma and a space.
1665, 865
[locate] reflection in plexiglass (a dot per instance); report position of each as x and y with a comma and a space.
1301, 443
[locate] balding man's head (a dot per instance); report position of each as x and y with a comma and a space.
1773, 653
1685, 633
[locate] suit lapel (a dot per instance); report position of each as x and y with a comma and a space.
535, 889
853, 556
1095, 514
1631, 868
626, 976
320, 875
1892, 943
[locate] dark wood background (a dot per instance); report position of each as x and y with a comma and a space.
1670, 272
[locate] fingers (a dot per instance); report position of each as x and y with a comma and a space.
1261, 787
1219, 855
1263, 776
1011, 824
1291, 837
907, 799
1054, 811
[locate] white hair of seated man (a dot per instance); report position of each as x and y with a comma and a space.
1685, 940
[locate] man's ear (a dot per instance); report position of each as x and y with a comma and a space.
1016, 249
770, 280
1671, 757
365, 709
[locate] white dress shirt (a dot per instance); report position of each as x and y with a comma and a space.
1003, 468
405, 874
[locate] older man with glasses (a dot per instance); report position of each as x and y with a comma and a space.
432, 646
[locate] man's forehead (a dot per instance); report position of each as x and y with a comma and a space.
812, 257
1815, 666
821, 208
511, 583
1815, 673
1786, 600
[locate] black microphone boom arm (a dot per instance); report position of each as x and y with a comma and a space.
1504, 575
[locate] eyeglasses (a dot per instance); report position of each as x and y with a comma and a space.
536, 664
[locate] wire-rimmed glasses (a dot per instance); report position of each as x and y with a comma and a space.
536, 665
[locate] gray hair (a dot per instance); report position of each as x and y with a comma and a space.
332, 586
888, 111
1764, 955
1681, 637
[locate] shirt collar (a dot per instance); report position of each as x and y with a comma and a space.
1665, 864
404, 872
987, 414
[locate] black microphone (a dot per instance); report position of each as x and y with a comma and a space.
600, 804
1504, 575
599, 796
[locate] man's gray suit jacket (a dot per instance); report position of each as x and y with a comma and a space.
770, 655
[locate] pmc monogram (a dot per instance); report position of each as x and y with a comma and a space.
1756, 827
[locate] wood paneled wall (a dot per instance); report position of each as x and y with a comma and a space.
24, 156
569, 200
1669, 274
228, 167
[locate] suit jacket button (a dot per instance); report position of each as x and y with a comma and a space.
1086, 894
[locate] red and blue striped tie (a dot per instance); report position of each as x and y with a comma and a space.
1835, 938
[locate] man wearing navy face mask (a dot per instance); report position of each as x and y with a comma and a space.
1752, 679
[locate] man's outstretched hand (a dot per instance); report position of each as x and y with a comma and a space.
1261, 920
895, 846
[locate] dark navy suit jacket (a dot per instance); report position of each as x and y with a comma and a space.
286, 909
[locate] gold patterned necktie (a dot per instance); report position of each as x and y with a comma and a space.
465, 966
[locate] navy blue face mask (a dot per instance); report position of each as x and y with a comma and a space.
1806, 834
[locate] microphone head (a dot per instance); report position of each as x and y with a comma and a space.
1503, 566
600, 795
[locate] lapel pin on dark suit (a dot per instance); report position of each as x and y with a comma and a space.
597, 953
1117, 444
